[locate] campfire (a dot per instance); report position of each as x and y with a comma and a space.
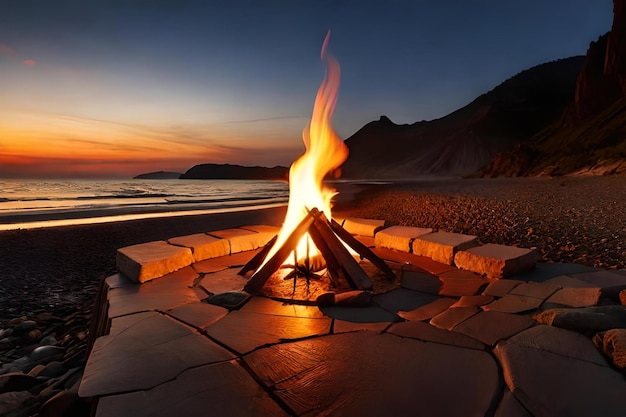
310, 245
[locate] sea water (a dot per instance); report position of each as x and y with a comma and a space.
42, 203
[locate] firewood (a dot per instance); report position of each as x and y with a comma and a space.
257, 260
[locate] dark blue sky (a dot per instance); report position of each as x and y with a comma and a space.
234, 81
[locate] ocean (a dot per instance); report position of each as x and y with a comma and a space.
46, 203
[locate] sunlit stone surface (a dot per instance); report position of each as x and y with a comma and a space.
151, 260
399, 237
203, 246
496, 261
363, 227
442, 246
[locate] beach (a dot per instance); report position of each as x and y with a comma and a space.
568, 219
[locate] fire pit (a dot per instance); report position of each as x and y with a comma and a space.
320, 250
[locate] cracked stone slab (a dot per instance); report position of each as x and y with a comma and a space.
549, 384
510, 406
442, 246
416, 262
363, 227
585, 320
151, 260
492, 326
399, 237
429, 333
202, 245
223, 389
342, 326
514, 304
236, 260
559, 341
242, 240
428, 311
146, 354
401, 299
576, 297
369, 314
268, 306
420, 281
168, 292
412, 375
565, 281
200, 315
222, 281
457, 283
534, 289
496, 261
450, 318
244, 331
611, 282
544, 271
501, 287
473, 300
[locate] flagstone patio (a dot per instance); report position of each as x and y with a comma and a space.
442, 342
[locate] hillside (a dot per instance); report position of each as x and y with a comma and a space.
467, 139
235, 172
590, 136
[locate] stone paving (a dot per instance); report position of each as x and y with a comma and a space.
442, 342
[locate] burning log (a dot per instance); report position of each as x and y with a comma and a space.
327, 237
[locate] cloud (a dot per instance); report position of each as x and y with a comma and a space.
30, 62
7, 50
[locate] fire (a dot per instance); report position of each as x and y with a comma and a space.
325, 152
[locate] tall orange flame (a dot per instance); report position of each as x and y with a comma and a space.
325, 152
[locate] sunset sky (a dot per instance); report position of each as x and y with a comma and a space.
114, 88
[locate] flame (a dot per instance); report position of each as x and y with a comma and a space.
325, 152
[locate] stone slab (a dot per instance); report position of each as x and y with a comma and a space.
548, 384
428, 311
473, 300
544, 271
451, 317
370, 314
223, 281
535, 289
412, 375
442, 246
223, 389
363, 227
457, 283
242, 240
199, 315
565, 281
588, 320
151, 260
236, 260
492, 326
501, 287
342, 326
429, 333
496, 261
244, 331
406, 259
420, 281
399, 237
368, 241
170, 291
277, 308
202, 245
559, 341
514, 304
401, 299
152, 351
576, 297
510, 406
119, 280
611, 282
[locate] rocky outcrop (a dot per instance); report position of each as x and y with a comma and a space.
158, 175
466, 140
235, 172
589, 137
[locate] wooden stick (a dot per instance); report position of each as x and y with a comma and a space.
361, 249
257, 260
255, 283
332, 264
354, 272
